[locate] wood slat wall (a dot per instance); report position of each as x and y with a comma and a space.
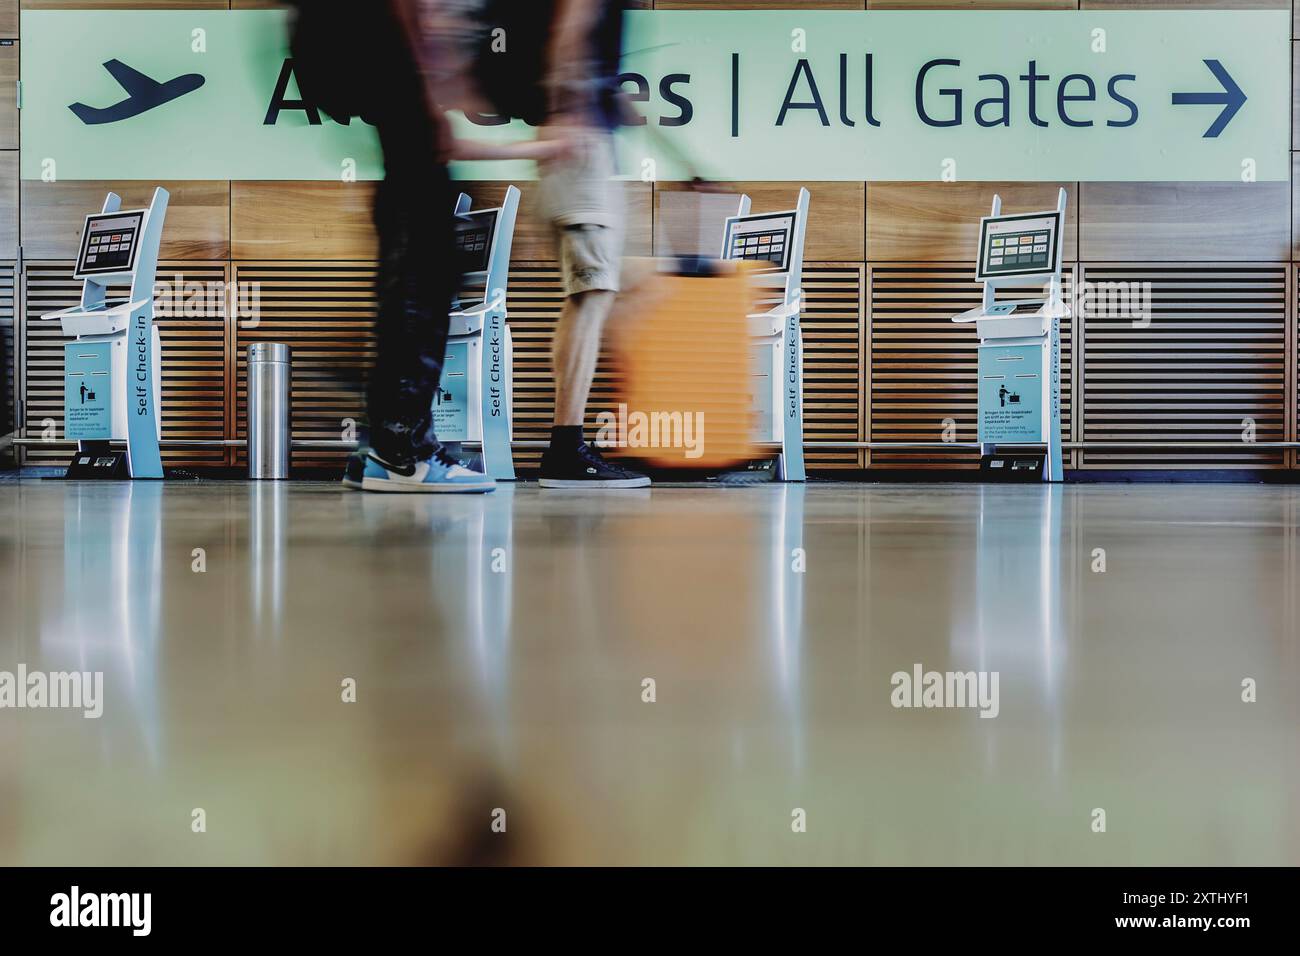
8, 328
888, 265
9, 204
833, 337
8, 103
1212, 362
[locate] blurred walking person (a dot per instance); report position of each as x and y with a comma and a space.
587, 210
568, 85
372, 59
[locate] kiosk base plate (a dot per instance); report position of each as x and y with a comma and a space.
1013, 466
98, 464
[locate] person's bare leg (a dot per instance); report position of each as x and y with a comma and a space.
575, 351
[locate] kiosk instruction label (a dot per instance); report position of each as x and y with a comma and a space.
451, 403
1011, 393
87, 391
806, 95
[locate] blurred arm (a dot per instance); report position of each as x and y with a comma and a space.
570, 58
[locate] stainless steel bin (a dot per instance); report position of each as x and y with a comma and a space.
270, 435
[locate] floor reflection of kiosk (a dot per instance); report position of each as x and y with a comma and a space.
474, 404
775, 241
1020, 344
112, 368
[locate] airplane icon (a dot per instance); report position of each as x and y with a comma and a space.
144, 94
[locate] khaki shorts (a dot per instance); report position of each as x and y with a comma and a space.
587, 212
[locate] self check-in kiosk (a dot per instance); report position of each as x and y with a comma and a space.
1020, 344
112, 368
474, 403
775, 242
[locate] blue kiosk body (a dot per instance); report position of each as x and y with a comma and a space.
775, 241
474, 404
1020, 343
112, 368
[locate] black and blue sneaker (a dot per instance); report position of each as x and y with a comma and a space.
437, 474
583, 467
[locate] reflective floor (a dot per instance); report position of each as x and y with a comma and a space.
503, 652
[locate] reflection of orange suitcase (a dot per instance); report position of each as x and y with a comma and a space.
686, 370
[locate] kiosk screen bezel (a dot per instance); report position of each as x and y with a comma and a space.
85, 269
982, 266
790, 224
465, 220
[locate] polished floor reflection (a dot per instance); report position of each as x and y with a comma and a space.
503, 648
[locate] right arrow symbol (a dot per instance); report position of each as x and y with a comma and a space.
1231, 99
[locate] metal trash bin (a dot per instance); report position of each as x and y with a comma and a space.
270, 435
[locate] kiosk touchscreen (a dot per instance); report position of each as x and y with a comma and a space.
474, 404
1013, 246
775, 241
764, 239
474, 231
1019, 398
109, 244
112, 366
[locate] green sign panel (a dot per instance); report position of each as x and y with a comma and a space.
780, 95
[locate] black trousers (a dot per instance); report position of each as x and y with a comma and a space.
379, 81
418, 278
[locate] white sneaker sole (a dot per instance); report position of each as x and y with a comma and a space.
420, 488
579, 483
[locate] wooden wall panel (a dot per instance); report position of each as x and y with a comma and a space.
834, 216
302, 221
1185, 222
758, 4
972, 4
9, 18
9, 204
1295, 206
198, 216
1186, 4
8, 94
533, 240
939, 222
1213, 356
125, 4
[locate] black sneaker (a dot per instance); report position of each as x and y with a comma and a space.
583, 467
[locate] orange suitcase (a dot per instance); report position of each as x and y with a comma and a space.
685, 365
